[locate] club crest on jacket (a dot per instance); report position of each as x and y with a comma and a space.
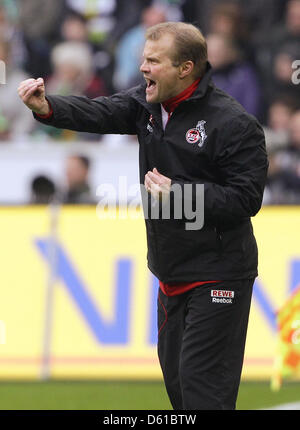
150, 124
197, 134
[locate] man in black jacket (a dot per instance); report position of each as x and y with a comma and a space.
197, 144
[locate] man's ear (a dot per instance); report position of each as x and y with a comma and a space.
185, 69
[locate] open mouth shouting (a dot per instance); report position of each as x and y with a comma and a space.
151, 85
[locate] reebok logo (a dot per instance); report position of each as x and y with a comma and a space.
222, 296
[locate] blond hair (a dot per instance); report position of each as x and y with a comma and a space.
190, 44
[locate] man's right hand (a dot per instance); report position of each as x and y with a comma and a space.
32, 93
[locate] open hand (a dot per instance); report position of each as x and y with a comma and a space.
157, 184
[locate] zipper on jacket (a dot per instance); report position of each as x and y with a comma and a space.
219, 240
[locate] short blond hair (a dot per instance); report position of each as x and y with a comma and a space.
190, 44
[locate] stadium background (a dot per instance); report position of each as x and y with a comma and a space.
77, 308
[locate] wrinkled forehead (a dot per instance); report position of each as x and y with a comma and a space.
161, 48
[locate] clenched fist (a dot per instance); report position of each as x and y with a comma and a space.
32, 93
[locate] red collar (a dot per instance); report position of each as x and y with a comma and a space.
171, 104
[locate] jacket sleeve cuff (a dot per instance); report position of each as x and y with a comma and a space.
48, 115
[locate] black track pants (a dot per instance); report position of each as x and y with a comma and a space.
201, 344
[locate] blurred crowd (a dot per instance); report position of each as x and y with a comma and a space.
94, 47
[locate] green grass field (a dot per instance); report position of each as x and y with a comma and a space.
112, 395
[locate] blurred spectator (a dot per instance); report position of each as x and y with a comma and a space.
283, 185
77, 189
227, 18
278, 122
39, 22
42, 190
232, 74
11, 9
6, 25
290, 157
130, 48
73, 74
10, 32
289, 31
73, 71
107, 20
275, 52
15, 122
295, 136
173, 8
280, 77
74, 28
260, 16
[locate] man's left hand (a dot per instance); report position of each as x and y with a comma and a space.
157, 184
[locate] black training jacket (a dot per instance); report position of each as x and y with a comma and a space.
211, 140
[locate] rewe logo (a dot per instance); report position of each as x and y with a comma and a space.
222, 296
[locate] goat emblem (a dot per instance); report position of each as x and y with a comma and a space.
197, 134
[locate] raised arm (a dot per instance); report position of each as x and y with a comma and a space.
113, 115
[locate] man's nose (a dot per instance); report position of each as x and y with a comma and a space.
144, 67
